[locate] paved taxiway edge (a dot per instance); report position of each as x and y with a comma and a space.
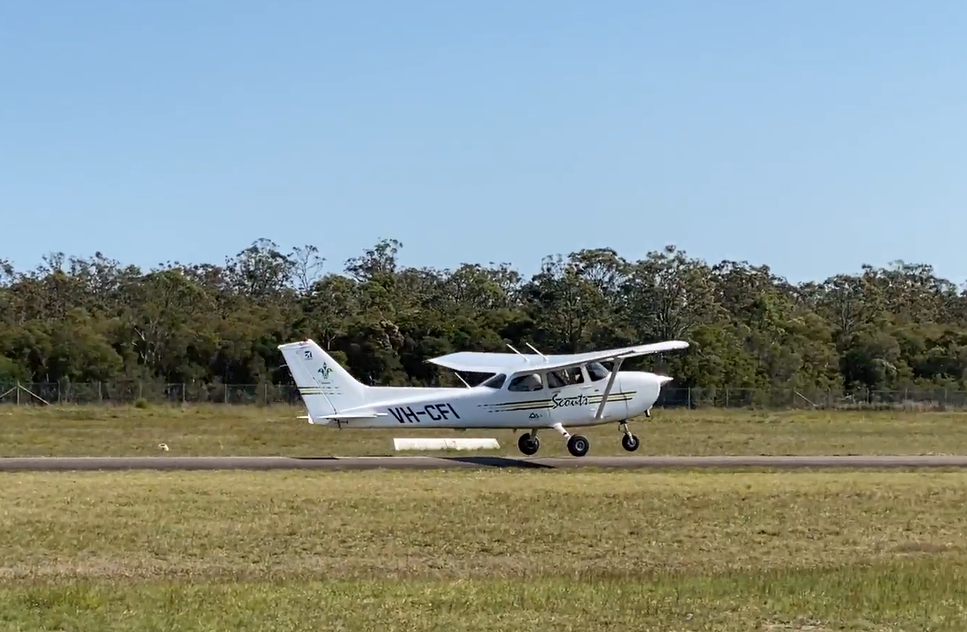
53, 464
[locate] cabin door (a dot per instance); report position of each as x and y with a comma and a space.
572, 397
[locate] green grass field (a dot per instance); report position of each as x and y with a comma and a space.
275, 430
483, 550
480, 550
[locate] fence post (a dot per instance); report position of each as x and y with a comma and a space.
689, 397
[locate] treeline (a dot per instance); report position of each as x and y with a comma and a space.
95, 319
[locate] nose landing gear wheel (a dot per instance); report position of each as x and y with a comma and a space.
528, 444
629, 442
577, 445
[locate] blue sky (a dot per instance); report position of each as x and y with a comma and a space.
809, 136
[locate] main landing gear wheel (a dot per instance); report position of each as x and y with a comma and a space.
528, 444
629, 442
577, 445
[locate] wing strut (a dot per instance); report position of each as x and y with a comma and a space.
607, 389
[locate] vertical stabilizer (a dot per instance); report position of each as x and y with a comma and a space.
326, 387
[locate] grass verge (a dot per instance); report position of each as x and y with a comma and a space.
275, 430
483, 550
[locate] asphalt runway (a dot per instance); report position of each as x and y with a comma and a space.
52, 464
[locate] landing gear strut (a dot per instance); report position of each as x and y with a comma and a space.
629, 441
577, 445
528, 443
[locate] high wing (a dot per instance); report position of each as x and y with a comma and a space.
513, 363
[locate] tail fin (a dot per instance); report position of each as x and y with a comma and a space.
326, 387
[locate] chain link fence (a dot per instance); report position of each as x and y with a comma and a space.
128, 393
785, 398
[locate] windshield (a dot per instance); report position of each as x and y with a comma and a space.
596, 371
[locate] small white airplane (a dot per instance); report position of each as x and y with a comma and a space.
527, 391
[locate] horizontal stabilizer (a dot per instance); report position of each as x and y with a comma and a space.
341, 416
354, 416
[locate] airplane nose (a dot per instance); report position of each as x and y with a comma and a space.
649, 386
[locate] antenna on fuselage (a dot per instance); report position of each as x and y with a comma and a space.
535, 350
517, 352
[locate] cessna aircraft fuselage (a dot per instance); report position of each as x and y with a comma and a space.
501, 403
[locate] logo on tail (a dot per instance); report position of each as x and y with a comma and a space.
325, 371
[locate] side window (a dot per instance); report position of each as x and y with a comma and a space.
574, 375
495, 382
565, 377
555, 379
530, 382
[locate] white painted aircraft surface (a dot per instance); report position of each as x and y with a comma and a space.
526, 391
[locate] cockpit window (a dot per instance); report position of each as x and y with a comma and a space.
494, 382
596, 371
555, 379
530, 382
574, 375
564, 377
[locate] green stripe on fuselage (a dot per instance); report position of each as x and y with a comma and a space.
537, 404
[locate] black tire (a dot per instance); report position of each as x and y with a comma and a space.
578, 445
629, 442
528, 445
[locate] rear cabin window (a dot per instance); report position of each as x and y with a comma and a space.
495, 382
530, 382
